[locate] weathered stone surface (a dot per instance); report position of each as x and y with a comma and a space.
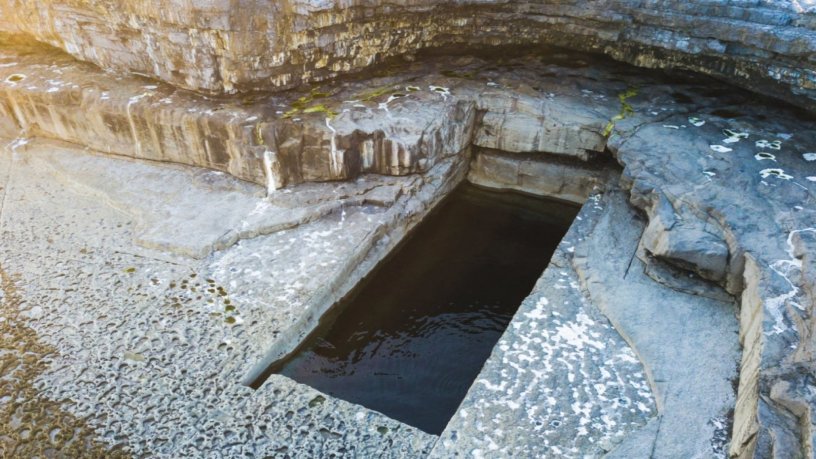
392, 126
223, 46
175, 221
561, 382
685, 243
725, 179
526, 122
60, 98
149, 348
693, 385
593, 296
540, 175
742, 177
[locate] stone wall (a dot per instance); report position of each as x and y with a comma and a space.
225, 46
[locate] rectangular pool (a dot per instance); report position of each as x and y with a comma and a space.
412, 338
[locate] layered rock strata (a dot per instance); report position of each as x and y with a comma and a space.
277, 141
221, 46
753, 246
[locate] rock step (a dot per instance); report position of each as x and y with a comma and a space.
396, 128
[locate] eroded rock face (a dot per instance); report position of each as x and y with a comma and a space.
726, 182
740, 181
222, 46
392, 126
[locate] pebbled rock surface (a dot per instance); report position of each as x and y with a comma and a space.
143, 350
221, 46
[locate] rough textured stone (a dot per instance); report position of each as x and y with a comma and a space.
225, 46
658, 323
561, 381
151, 347
539, 175
726, 180
249, 139
173, 220
686, 244
593, 298
743, 180
524, 122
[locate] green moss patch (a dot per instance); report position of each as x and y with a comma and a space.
306, 104
626, 110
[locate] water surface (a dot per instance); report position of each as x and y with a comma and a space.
412, 339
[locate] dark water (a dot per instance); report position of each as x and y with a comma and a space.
412, 339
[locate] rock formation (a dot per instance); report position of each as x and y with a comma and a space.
629, 344
224, 46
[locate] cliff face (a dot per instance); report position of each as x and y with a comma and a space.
226, 46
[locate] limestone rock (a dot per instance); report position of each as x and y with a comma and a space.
146, 347
527, 124
217, 46
540, 175
690, 423
390, 126
686, 244
726, 180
